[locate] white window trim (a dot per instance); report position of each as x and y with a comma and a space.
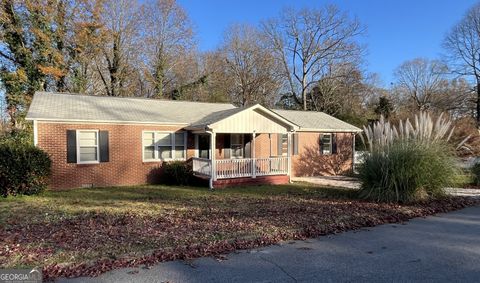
78, 147
242, 144
172, 146
329, 152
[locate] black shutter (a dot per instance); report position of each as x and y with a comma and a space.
279, 145
334, 143
103, 145
71, 146
320, 143
226, 146
295, 144
247, 141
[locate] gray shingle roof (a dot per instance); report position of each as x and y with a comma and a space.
73, 107
310, 120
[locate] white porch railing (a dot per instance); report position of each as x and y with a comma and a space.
234, 168
244, 167
202, 166
271, 166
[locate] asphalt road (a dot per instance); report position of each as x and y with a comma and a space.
443, 248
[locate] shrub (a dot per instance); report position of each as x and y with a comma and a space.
409, 162
177, 173
15, 136
476, 173
24, 169
407, 172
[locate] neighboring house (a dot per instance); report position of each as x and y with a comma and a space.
107, 141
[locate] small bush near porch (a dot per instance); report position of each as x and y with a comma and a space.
90, 231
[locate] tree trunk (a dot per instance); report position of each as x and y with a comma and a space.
159, 77
304, 89
304, 98
115, 67
478, 103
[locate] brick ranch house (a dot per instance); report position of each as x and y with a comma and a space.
110, 141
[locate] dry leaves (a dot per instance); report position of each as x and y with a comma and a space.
129, 240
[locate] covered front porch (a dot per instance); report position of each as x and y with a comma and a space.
253, 143
242, 167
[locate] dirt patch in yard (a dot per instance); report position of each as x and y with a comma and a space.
70, 237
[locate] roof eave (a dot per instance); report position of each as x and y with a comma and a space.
55, 120
329, 130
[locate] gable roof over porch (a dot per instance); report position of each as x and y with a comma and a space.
254, 119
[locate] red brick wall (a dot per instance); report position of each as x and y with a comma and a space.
310, 162
125, 166
262, 145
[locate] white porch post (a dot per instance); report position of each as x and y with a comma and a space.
213, 175
289, 155
252, 150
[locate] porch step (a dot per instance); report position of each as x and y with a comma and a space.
262, 180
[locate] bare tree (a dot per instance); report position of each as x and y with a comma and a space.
421, 81
458, 98
120, 40
251, 67
168, 44
463, 46
307, 42
340, 90
217, 81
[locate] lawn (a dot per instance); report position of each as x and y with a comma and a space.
90, 231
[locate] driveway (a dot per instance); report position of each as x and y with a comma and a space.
443, 248
330, 181
354, 183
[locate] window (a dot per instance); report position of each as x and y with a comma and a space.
163, 146
148, 145
236, 145
179, 145
326, 143
87, 142
284, 149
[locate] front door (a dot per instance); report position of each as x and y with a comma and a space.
204, 146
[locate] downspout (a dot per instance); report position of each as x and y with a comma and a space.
212, 157
35, 133
289, 154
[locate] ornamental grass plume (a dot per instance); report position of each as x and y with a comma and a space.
410, 162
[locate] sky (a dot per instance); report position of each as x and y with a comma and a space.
397, 30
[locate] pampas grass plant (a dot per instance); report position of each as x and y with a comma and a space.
408, 162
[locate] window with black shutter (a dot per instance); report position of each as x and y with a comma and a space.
326, 144
87, 146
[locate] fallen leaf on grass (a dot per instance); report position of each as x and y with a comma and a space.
133, 272
221, 258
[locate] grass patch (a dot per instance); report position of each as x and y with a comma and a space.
89, 231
